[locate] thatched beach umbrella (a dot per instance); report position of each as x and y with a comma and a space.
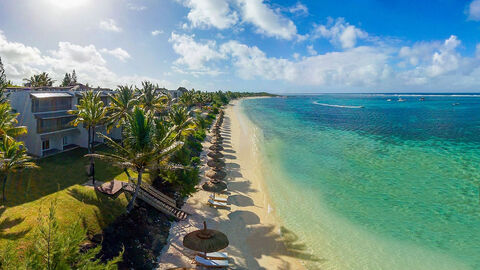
216, 163
219, 175
205, 240
215, 154
216, 147
214, 186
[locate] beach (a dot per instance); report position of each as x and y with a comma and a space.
253, 230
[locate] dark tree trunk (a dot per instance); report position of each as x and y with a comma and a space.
135, 194
3, 188
92, 150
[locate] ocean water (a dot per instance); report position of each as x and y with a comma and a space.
366, 183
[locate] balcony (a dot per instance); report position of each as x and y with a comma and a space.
52, 122
48, 102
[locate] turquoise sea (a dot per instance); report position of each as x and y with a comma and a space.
367, 183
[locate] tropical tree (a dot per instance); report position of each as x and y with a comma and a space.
121, 103
187, 98
39, 80
180, 118
13, 158
56, 248
142, 146
3, 83
90, 112
8, 122
150, 100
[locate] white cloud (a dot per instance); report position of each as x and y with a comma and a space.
22, 61
268, 22
118, 53
299, 9
362, 66
428, 65
136, 7
109, 25
474, 10
194, 55
157, 32
207, 13
311, 50
340, 33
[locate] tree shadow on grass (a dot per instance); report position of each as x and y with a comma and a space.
56, 173
107, 207
9, 223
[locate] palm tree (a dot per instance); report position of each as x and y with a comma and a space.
39, 80
122, 102
179, 117
13, 158
90, 112
8, 122
187, 98
142, 146
150, 100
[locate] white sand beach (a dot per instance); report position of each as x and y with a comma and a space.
249, 223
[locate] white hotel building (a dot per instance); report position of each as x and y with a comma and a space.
44, 111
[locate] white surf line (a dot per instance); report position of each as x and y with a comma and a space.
338, 106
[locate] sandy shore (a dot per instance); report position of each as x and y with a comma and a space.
249, 223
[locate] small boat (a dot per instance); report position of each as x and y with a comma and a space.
401, 100
389, 99
422, 99
455, 104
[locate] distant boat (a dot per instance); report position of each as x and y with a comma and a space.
455, 104
401, 100
389, 99
422, 99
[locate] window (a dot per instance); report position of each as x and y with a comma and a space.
50, 125
45, 145
66, 140
51, 104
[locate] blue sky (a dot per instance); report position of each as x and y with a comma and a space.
277, 46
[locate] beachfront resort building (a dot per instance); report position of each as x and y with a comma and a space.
44, 111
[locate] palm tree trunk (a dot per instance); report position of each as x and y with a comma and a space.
3, 188
91, 158
135, 194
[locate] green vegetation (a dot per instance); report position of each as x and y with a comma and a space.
161, 143
69, 79
61, 178
56, 248
39, 80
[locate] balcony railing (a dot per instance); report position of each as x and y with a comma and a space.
56, 124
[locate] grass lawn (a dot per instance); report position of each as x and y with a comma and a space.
60, 177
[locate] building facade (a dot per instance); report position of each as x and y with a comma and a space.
44, 111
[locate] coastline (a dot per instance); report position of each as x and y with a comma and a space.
254, 232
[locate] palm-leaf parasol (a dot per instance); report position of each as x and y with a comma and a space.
216, 174
216, 147
215, 154
214, 186
216, 163
205, 240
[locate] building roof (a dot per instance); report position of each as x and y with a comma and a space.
50, 94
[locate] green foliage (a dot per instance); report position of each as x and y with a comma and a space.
39, 80
56, 248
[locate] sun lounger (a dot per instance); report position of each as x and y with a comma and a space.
216, 204
218, 199
211, 263
214, 255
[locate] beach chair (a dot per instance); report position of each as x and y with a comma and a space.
216, 204
218, 199
214, 255
211, 263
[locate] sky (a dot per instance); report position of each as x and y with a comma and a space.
288, 46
